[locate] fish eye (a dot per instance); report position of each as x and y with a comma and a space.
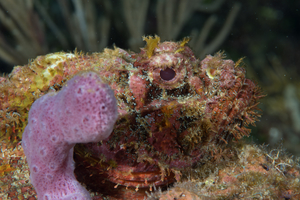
167, 74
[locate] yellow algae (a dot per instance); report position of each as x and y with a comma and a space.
4, 169
239, 62
182, 44
52, 64
152, 43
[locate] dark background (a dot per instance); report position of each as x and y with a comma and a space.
265, 32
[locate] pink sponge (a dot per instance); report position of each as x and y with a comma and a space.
85, 110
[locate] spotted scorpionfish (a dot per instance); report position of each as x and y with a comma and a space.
174, 109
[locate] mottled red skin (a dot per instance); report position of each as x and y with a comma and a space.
166, 126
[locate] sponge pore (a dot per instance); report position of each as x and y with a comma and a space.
85, 110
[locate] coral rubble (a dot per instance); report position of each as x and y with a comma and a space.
276, 176
255, 173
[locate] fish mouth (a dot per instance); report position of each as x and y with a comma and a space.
147, 147
142, 179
